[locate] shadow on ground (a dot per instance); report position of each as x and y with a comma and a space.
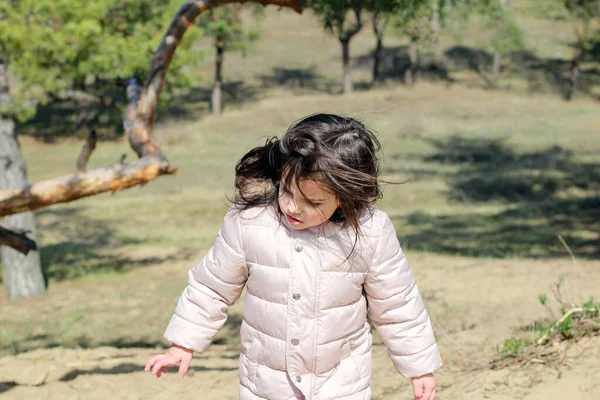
81, 245
299, 80
61, 120
545, 198
128, 368
541, 74
185, 106
395, 61
229, 335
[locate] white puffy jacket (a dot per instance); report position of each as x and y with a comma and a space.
305, 333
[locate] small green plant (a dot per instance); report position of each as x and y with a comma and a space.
592, 308
543, 298
565, 326
575, 320
512, 347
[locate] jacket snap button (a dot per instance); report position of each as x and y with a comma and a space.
298, 247
298, 379
296, 296
295, 342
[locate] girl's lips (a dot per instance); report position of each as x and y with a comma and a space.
293, 220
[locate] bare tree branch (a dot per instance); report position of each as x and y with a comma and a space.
86, 151
75, 186
17, 239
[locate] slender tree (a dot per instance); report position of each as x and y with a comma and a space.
343, 19
582, 14
415, 23
502, 34
380, 22
507, 35
224, 24
418, 20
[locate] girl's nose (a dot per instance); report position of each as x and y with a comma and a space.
292, 206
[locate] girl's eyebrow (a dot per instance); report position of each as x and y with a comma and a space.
317, 200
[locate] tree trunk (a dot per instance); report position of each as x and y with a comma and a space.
496, 69
379, 26
574, 75
346, 78
377, 60
217, 98
435, 28
410, 75
22, 273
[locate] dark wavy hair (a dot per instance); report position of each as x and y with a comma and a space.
337, 152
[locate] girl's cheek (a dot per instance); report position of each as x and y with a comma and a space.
282, 198
318, 215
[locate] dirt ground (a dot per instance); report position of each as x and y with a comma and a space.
474, 303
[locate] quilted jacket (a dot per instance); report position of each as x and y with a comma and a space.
305, 332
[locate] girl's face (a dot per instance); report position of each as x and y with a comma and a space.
312, 209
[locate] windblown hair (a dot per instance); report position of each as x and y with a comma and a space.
337, 152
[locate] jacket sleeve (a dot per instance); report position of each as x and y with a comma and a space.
397, 309
213, 285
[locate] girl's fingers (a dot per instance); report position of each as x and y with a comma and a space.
183, 367
151, 362
418, 388
162, 363
159, 364
428, 392
156, 368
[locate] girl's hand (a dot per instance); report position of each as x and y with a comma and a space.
424, 387
175, 355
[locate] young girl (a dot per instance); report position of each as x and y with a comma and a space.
315, 255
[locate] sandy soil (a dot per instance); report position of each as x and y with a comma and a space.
475, 304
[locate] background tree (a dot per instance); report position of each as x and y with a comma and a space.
224, 24
67, 50
380, 21
411, 19
437, 8
582, 14
506, 37
343, 19
416, 24
502, 34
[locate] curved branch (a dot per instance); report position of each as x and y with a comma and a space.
75, 186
